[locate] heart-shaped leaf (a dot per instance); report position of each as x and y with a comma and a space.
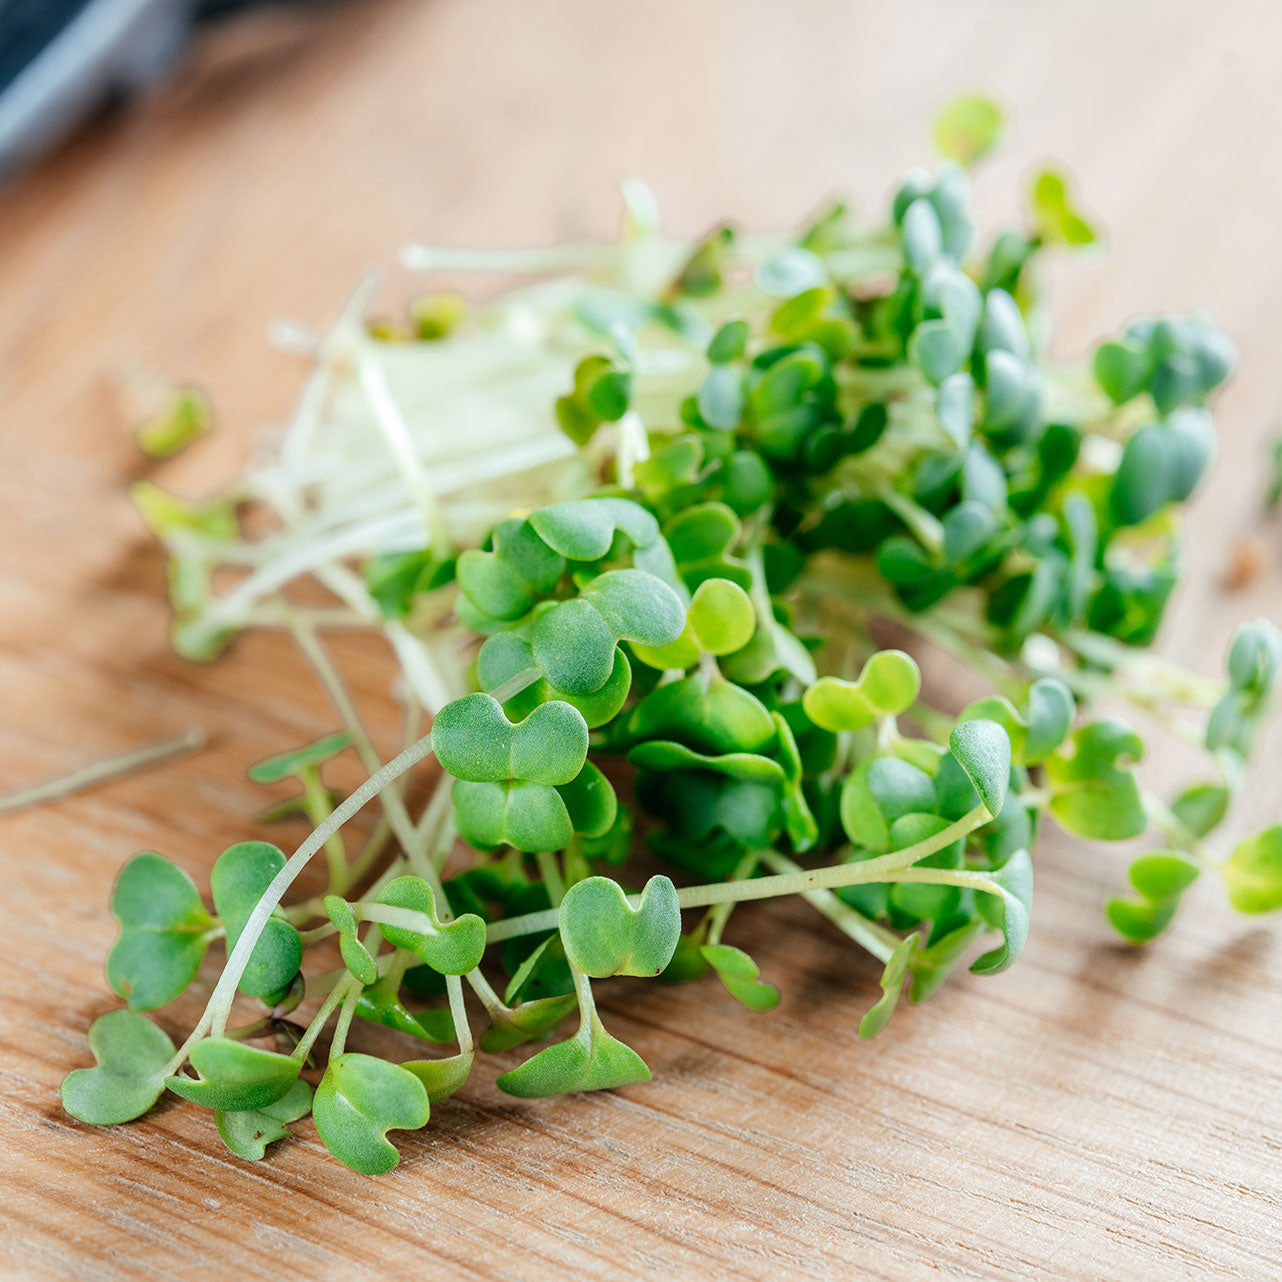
356, 957
1053, 211
163, 926
892, 980
473, 740
234, 1076
359, 1100
1092, 794
505, 655
740, 975
453, 948
505, 582
573, 642
604, 935
132, 1055
248, 1132
300, 760
240, 876
1253, 873
701, 537
720, 620
526, 816
583, 530
967, 127
591, 1060
982, 749
888, 685
1160, 879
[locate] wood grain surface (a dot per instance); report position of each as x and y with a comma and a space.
1096, 1113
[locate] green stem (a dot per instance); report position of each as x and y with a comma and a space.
877, 940
882, 868
335, 997
317, 805
345, 1017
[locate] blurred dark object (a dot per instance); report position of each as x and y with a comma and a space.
61, 60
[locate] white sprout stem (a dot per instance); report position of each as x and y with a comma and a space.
112, 767
388, 415
436, 258
831, 877
214, 1019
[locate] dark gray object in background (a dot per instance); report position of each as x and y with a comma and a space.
60, 60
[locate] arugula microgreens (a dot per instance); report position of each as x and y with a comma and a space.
663, 498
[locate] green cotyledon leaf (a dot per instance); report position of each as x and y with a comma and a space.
240, 876
573, 642
359, 1100
450, 947
475, 741
741, 976
1093, 793
584, 529
604, 935
1253, 873
591, 1060
248, 1132
298, 760
163, 932
892, 980
887, 685
132, 1055
235, 1076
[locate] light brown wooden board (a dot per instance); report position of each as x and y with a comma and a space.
1095, 1113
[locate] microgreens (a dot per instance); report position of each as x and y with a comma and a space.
635, 526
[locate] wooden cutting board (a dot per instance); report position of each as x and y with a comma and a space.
1095, 1113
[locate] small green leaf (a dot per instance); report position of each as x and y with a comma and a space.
299, 760
729, 342
248, 1132
583, 530
967, 127
473, 740
1053, 212
132, 1055
162, 938
1253, 873
356, 957
187, 415
441, 1078
526, 1021
1013, 883
739, 973
1091, 794
359, 1100
982, 749
591, 1060
888, 685
604, 935
892, 980
234, 1076
240, 876
452, 948
1201, 808
721, 618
